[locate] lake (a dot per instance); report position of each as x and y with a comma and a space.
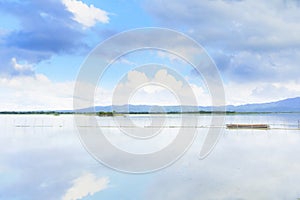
42, 157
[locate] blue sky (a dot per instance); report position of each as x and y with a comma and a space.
255, 45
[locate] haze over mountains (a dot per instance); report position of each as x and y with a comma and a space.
287, 105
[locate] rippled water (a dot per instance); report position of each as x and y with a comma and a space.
41, 157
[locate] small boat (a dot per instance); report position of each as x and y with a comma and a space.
247, 126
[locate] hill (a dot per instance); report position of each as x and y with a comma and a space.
286, 105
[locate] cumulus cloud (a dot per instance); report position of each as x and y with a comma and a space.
35, 92
250, 24
46, 29
40, 24
87, 15
21, 69
162, 88
170, 56
260, 92
87, 184
38, 92
245, 66
254, 43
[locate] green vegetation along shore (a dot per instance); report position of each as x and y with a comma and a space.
102, 113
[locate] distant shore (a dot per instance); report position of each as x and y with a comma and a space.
56, 113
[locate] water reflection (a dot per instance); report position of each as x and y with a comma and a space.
49, 162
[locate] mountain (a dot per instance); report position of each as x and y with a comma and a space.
287, 105
141, 108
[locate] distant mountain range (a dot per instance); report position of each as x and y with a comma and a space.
287, 105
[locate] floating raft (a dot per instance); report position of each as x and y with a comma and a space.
247, 126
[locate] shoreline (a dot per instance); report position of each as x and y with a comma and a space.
56, 113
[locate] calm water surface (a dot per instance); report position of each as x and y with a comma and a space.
41, 157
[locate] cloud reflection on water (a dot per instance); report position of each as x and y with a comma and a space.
42, 163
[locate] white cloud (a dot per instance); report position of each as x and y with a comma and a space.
86, 185
38, 92
260, 92
153, 95
237, 93
163, 88
233, 24
87, 15
30, 91
136, 78
21, 67
126, 61
162, 76
152, 89
168, 55
255, 44
35, 92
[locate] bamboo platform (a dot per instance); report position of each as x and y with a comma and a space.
247, 126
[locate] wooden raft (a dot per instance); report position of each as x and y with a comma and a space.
247, 126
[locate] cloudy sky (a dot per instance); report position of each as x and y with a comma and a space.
254, 44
